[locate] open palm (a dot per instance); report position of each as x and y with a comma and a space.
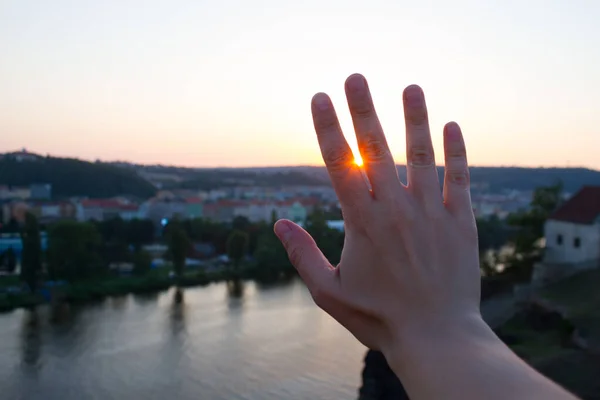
410, 257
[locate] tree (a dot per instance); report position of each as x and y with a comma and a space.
74, 251
31, 261
492, 233
11, 227
316, 225
142, 262
237, 246
10, 258
528, 228
271, 260
330, 241
529, 224
240, 223
70, 177
140, 232
179, 243
203, 230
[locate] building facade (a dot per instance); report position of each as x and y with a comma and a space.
572, 237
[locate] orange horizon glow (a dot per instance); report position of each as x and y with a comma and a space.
116, 83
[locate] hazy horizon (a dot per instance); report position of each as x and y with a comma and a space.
198, 84
317, 165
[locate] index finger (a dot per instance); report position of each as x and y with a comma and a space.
345, 174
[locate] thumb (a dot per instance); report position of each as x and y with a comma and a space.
304, 254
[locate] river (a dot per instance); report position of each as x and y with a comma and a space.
267, 343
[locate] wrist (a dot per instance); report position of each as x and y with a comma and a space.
427, 337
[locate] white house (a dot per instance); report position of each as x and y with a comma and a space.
572, 235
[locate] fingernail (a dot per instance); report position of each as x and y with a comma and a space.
357, 83
283, 230
452, 131
322, 101
413, 97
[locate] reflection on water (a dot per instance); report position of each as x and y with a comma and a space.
178, 297
31, 341
235, 295
177, 316
223, 341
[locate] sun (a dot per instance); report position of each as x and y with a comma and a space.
358, 161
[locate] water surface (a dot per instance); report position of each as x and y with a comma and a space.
268, 343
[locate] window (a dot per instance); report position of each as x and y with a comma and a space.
576, 242
559, 239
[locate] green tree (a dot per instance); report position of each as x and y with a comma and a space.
207, 231
529, 224
237, 246
31, 261
10, 258
330, 241
528, 229
142, 262
74, 251
11, 227
492, 232
271, 260
316, 225
70, 177
240, 223
179, 244
140, 232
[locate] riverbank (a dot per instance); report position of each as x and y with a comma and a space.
12, 296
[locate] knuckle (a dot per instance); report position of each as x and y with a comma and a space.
326, 122
421, 155
374, 148
417, 115
456, 159
456, 151
459, 177
457, 171
338, 158
296, 255
362, 109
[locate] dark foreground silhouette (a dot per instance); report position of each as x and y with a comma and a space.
379, 381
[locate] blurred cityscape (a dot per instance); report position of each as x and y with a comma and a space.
74, 231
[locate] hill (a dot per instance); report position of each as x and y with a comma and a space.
498, 179
208, 179
72, 177
489, 179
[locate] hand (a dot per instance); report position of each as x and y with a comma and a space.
410, 261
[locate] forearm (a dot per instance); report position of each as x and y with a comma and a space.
466, 361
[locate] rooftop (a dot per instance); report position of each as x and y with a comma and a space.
582, 208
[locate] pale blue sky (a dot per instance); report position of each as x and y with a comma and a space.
229, 83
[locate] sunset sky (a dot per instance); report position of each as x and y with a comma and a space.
207, 83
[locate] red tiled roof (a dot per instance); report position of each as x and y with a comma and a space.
108, 203
193, 200
582, 208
